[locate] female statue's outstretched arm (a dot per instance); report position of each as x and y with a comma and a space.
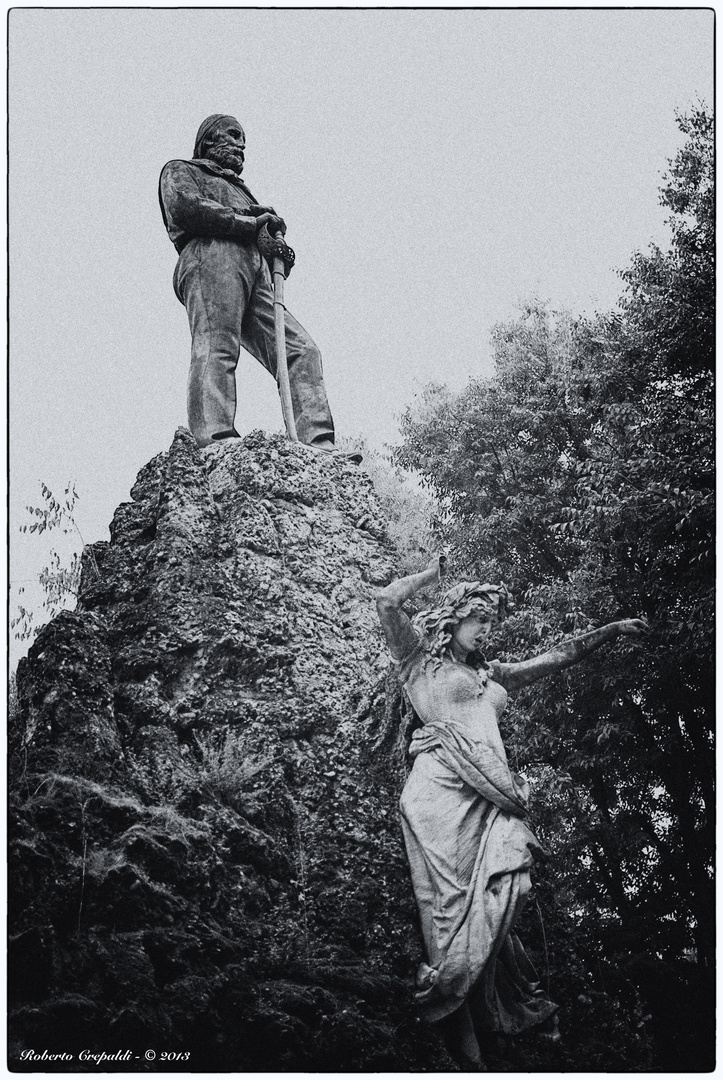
564, 655
397, 626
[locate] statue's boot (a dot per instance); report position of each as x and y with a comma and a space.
221, 436
354, 456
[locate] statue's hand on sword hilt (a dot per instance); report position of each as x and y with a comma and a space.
275, 247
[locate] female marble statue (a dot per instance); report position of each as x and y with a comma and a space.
469, 848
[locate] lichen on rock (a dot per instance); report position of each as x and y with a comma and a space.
205, 766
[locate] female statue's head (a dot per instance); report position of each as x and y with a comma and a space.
465, 618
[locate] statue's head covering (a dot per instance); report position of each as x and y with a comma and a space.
206, 132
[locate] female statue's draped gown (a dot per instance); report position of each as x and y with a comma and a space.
469, 849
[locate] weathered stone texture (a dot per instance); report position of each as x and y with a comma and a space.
205, 849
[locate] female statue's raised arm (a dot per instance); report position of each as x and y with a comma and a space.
463, 809
397, 626
564, 655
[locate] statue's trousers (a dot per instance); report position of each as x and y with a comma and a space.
225, 288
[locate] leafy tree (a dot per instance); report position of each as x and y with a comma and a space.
582, 474
60, 580
407, 509
668, 302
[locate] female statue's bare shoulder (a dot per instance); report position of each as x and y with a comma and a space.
463, 809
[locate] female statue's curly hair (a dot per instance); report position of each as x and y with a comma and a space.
435, 625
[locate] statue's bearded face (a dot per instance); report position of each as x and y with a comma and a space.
228, 146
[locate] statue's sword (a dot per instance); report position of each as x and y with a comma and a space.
280, 258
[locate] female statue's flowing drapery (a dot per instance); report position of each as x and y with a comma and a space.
469, 849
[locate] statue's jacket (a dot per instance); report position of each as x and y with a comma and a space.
224, 282
199, 198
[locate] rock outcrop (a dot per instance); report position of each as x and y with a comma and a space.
205, 764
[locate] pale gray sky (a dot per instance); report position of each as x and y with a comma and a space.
433, 166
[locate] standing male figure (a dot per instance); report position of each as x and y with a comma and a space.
224, 283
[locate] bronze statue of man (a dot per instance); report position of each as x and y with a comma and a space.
225, 285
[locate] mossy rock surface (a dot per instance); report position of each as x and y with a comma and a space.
205, 769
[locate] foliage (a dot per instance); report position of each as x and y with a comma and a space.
59, 580
668, 299
220, 766
582, 475
406, 505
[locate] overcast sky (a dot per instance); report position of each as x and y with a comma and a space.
434, 168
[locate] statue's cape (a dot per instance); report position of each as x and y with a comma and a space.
476, 763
